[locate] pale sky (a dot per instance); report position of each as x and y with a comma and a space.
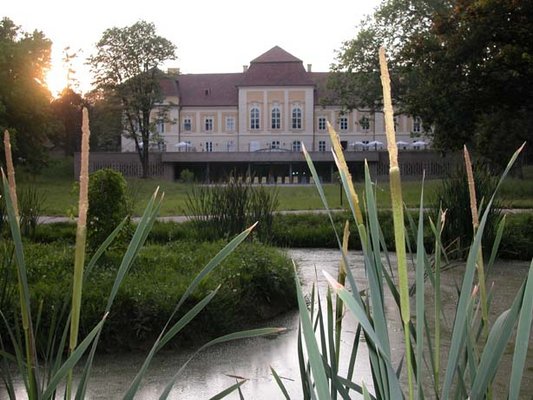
211, 36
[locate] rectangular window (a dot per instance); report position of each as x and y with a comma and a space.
321, 123
208, 124
187, 124
343, 123
275, 145
230, 124
365, 123
322, 145
209, 146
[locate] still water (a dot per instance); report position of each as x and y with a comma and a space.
215, 369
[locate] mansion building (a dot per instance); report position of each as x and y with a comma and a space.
256, 121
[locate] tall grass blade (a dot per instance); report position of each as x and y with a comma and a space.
81, 237
227, 391
31, 368
496, 244
72, 360
419, 299
188, 317
460, 320
304, 367
522, 338
475, 224
219, 257
138, 239
497, 341
280, 384
315, 358
320, 190
223, 339
351, 197
359, 313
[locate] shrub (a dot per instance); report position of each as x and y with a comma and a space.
186, 176
108, 205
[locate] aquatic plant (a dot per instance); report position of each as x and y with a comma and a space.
427, 369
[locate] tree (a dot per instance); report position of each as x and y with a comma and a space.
105, 112
465, 67
24, 99
126, 63
67, 108
478, 63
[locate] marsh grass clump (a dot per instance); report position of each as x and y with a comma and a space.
453, 195
219, 211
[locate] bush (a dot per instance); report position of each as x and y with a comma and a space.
186, 176
109, 204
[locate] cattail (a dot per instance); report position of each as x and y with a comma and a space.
11, 172
81, 237
338, 153
397, 210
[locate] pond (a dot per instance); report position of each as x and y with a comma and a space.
215, 369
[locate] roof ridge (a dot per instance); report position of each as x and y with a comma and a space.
276, 55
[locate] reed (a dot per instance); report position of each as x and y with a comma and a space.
472, 359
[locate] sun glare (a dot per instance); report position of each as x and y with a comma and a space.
56, 79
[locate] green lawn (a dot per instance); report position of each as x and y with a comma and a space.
60, 195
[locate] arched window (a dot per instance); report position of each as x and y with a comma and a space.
276, 118
254, 118
296, 118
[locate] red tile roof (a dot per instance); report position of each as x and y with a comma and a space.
209, 90
276, 67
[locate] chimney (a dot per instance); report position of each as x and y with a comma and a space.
309, 67
244, 68
173, 71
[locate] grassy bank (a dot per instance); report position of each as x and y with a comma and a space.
315, 231
58, 189
256, 283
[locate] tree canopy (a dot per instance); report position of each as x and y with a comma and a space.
464, 66
24, 98
126, 63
